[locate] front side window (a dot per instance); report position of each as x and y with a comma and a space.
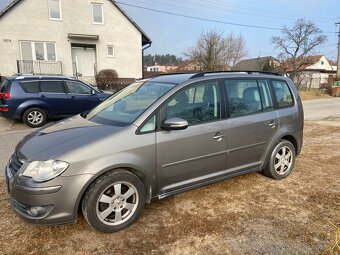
198, 104
283, 95
127, 105
149, 126
52, 86
97, 13
243, 97
77, 88
55, 9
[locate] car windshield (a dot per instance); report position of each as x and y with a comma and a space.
127, 105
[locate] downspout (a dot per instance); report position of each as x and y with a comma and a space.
143, 49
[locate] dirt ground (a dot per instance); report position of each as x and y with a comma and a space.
251, 214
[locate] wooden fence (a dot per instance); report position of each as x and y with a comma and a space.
117, 84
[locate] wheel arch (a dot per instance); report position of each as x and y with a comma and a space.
33, 104
138, 173
288, 137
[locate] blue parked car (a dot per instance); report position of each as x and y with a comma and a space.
35, 99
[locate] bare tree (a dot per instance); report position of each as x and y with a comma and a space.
298, 45
213, 51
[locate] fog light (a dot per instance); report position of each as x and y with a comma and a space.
36, 211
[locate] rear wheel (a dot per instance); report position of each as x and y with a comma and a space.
34, 117
114, 201
282, 160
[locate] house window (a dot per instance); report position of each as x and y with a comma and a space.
97, 13
55, 9
45, 51
26, 51
110, 51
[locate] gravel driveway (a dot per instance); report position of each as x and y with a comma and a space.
251, 214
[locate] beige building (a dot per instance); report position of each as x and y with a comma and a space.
78, 37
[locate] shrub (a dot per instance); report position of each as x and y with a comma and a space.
106, 77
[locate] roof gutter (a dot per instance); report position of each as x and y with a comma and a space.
143, 49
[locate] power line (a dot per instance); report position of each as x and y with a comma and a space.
204, 19
197, 18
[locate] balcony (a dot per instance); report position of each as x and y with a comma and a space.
39, 67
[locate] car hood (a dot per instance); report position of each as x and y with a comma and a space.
51, 141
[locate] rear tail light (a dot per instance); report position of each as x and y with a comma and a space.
4, 109
6, 95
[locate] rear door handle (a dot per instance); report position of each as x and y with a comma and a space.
219, 136
272, 124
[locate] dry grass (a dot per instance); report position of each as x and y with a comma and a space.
313, 94
251, 214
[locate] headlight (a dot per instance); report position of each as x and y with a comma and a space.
41, 171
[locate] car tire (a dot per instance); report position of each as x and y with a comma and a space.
34, 117
114, 201
281, 161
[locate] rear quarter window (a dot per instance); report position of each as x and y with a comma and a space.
5, 86
30, 87
284, 97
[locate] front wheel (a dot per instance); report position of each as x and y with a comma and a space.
282, 160
114, 201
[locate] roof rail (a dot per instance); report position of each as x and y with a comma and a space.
202, 74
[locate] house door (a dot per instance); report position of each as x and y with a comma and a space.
84, 60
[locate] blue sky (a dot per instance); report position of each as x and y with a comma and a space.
173, 34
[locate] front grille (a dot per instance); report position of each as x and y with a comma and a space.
15, 164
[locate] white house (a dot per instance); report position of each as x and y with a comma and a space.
314, 71
69, 37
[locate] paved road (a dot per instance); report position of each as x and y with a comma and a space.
320, 109
12, 132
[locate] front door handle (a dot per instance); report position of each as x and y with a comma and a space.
219, 136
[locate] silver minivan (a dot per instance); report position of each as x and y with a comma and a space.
154, 139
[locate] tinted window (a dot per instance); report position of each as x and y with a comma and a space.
283, 95
30, 87
243, 97
198, 104
5, 86
52, 86
77, 88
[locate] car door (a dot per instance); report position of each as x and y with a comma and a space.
198, 153
81, 96
53, 93
252, 124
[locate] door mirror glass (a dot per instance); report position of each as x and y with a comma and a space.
175, 124
93, 92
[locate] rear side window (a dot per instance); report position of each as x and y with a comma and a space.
243, 97
5, 86
52, 86
30, 87
283, 94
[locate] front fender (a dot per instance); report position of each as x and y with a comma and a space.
146, 171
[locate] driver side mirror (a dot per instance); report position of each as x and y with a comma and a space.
175, 124
93, 92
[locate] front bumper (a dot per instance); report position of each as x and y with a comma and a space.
52, 202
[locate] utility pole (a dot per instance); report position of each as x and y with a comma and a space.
338, 68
